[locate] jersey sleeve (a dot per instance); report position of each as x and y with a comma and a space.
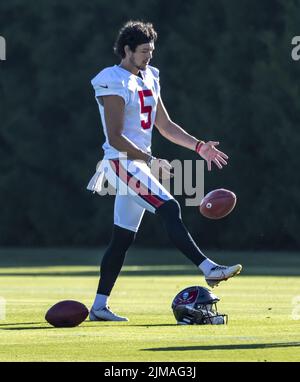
107, 82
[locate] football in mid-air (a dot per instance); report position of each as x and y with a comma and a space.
67, 314
217, 203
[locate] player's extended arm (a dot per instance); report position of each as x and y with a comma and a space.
176, 134
114, 107
171, 130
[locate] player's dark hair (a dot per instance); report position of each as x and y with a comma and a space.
134, 33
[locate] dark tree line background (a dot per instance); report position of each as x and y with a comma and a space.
226, 74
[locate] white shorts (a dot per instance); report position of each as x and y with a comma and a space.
136, 188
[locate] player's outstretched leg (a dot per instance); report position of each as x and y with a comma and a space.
170, 213
111, 265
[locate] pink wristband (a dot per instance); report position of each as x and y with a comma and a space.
198, 146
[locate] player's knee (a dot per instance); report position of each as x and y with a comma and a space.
122, 238
170, 209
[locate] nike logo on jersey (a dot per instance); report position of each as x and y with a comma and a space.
105, 87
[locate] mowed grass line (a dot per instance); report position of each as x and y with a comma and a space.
261, 327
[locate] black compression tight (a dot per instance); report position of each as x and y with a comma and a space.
113, 258
170, 213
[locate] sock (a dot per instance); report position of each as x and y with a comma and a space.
206, 266
100, 301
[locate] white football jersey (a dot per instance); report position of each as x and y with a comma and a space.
140, 96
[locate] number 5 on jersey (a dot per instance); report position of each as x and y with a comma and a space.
145, 109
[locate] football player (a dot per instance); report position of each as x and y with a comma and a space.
130, 104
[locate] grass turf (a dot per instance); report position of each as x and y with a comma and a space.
259, 303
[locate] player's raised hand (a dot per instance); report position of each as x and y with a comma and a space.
161, 169
211, 154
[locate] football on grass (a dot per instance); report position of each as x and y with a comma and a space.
217, 203
67, 314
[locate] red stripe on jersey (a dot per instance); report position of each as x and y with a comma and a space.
141, 190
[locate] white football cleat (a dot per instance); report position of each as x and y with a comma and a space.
220, 273
105, 314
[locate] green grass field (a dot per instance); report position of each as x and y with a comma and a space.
259, 302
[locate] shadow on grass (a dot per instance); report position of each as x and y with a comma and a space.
91, 324
29, 328
149, 272
227, 347
21, 323
149, 262
105, 324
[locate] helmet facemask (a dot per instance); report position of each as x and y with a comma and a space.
211, 316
